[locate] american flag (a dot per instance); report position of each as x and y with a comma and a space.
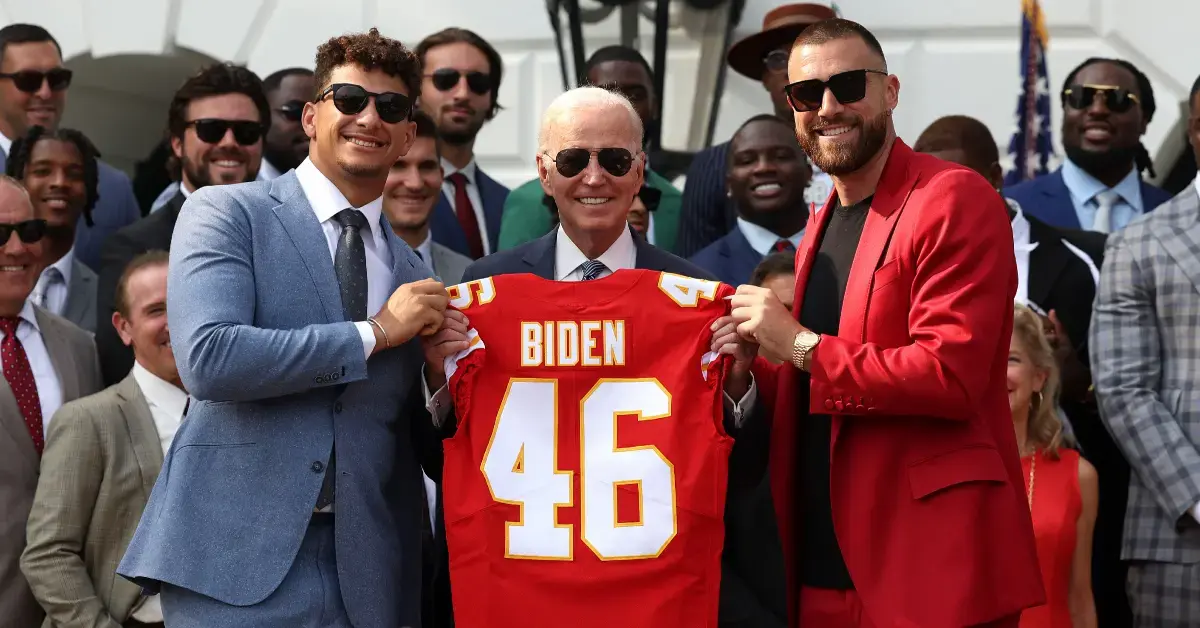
1030, 148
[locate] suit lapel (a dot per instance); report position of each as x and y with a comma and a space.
306, 233
12, 421
81, 284
540, 256
890, 196
404, 261
1059, 208
647, 256
1046, 263
62, 355
1181, 240
491, 194
147, 444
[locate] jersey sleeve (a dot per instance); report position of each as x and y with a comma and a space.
712, 363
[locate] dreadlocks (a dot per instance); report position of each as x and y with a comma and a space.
1142, 158
22, 150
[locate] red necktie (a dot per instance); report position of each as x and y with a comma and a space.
466, 214
20, 378
784, 246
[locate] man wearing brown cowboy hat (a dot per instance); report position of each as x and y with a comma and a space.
707, 213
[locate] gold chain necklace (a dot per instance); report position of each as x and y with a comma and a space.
1032, 476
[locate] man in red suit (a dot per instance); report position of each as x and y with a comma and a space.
900, 497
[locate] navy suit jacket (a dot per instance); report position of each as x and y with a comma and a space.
731, 258
444, 223
706, 213
116, 207
1048, 199
277, 376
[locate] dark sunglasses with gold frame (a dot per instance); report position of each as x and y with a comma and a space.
1116, 99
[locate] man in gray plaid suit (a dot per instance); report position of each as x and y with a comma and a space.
1145, 340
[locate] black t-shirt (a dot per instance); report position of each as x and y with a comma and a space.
821, 562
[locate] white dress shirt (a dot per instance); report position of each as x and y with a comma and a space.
326, 201
44, 376
5, 143
53, 295
763, 240
166, 402
425, 250
470, 171
568, 259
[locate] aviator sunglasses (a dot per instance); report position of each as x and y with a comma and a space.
572, 161
351, 99
212, 130
445, 79
1116, 99
29, 231
30, 81
847, 87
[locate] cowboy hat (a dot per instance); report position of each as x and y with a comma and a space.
780, 28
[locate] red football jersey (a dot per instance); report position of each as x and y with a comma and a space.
585, 485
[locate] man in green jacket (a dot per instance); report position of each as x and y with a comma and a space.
624, 70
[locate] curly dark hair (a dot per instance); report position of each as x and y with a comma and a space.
22, 149
369, 51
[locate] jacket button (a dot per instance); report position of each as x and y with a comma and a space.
828, 404
318, 466
839, 405
860, 408
337, 407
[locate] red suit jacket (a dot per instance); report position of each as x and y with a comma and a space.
928, 495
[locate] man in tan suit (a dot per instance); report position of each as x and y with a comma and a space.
102, 457
46, 361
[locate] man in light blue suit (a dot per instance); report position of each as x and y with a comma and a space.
291, 495
33, 90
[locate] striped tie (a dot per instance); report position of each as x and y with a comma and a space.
592, 269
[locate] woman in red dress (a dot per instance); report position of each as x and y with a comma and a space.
1061, 485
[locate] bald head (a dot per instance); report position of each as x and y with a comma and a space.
965, 141
575, 110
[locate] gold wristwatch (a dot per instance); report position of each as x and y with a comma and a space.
802, 349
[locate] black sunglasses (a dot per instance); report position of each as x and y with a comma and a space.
1116, 99
212, 130
445, 79
291, 110
572, 161
29, 231
30, 81
847, 87
351, 99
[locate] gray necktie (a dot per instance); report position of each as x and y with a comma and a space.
41, 292
1105, 201
592, 269
350, 266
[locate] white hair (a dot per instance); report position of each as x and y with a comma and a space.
581, 99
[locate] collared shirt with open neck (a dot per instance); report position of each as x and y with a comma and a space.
425, 250
5, 143
621, 255
763, 240
56, 293
471, 172
326, 201
166, 402
44, 376
267, 171
1083, 189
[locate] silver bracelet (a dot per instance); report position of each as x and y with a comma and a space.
387, 343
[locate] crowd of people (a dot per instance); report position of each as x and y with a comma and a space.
322, 370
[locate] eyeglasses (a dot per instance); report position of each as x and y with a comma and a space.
351, 99
572, 161
847, 87
291, 110
446, 79
29, 231
776, 61
30, 81
1116, 99
212, 130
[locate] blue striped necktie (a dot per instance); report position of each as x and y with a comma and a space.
592, 269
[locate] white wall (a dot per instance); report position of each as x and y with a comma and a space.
952, 56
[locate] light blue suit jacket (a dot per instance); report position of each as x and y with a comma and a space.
277, 376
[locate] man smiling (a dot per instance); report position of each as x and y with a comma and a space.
767, 175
